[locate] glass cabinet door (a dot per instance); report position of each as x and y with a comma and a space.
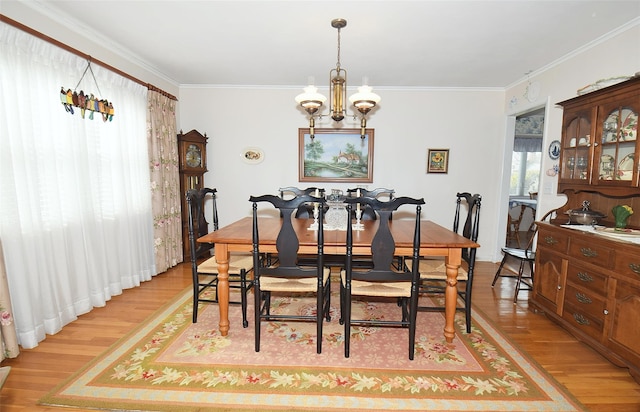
617, 155
576, 149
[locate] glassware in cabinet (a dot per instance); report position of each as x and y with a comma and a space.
576, 148
618, 145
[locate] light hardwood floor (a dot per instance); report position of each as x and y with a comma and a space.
594, 381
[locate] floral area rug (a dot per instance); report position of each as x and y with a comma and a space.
171, 364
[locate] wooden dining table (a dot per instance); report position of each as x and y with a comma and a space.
435, 240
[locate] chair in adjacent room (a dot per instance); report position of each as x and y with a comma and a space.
384, 279
524, 257
287, 277
433, 272
513, 226
205, 273
532, 196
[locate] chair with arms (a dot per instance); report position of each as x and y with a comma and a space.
433, 272
523, 256
384, 279
205, 274
287, 276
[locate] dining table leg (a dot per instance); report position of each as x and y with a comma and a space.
222, 258
452, 263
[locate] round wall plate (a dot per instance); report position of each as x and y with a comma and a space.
533, 91
554, 150
252, 155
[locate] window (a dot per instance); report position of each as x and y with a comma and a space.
527, 154
525, 171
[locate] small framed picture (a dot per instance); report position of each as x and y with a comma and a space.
438, 161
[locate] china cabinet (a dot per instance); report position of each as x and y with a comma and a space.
192, 152
588, 280
599, 147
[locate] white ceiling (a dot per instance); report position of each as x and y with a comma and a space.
394, 43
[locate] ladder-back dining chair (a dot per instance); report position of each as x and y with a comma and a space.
205, 273
288, 276
384, 279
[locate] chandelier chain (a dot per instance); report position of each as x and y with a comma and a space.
338, 63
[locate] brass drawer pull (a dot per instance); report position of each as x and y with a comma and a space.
582, 298
635, 267
581, 319
550, 240
585, 277
588, 252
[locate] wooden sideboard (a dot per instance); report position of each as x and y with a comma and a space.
590, 285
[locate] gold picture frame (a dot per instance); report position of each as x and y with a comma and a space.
335, 155
438, 161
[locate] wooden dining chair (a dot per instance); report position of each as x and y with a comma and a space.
380, 193
288, 276
513, 226
433, 271
205, 273
384, 279
525, 257
304, 211
532, 196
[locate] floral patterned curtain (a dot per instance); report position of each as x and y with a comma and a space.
8, 336
165, 180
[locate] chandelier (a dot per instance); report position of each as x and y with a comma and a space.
364, 100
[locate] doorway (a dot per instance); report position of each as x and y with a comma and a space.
524, 181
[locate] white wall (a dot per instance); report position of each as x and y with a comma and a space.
469, 123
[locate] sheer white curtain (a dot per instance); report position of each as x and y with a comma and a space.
75, 202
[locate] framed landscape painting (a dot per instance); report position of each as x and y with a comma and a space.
335, 155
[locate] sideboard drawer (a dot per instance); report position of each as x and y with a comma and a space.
587, 278
593, 253
580, 320
554, 240
628, 265
588, 302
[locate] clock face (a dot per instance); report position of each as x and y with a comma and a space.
193, 156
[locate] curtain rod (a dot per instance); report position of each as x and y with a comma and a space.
70, 49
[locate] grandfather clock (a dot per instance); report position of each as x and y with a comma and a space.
192, 150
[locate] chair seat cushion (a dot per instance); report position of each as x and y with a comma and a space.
237, 262
380, 289
277, 284
435, 268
